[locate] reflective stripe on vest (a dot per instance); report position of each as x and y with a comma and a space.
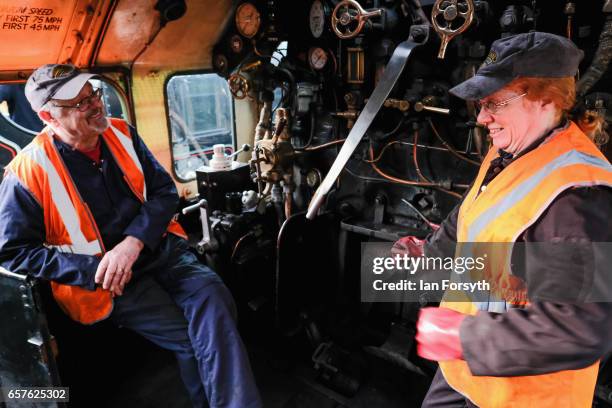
512, 202
128, 146
67, 211
121, 147
68, 222
526, 187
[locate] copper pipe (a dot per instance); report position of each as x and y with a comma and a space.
451, 149
324, 145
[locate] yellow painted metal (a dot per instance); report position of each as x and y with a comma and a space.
151, 120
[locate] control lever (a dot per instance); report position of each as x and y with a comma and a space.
420, 106
208, 243
389, 78
451, 10
245, 148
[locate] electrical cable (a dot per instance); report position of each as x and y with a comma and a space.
147, 44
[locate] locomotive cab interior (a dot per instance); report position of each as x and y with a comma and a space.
249, 104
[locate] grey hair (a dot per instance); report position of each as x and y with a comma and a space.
49, 107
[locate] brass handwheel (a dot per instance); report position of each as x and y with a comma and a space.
348, 14
445, 13
239, 86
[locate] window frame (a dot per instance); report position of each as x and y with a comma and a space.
169, 123
124, 97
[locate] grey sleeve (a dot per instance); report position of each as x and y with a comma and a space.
442, 243
550, 334
542, 338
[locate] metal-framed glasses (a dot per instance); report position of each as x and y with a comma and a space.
494, 107
85, 103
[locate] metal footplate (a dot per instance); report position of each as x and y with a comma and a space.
388, 80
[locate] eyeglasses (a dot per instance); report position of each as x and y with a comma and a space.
85, 103
494, 107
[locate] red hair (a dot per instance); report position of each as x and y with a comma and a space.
562, 93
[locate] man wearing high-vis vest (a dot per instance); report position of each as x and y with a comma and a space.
86, 206
544, 186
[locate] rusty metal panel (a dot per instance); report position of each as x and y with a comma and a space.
37, 32
132, 24
183, 44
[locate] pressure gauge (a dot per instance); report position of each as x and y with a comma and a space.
317, 18
317, 58
313, 178
247, 20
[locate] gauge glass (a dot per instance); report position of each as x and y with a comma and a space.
236, 44
317, 18
317, 58
247, 20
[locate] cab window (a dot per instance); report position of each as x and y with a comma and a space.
17, 111
201, 114
114, 103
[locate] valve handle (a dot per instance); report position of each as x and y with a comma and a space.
239, 86
345, 13
451, 10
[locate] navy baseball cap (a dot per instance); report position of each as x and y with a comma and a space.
55, 81
533, 54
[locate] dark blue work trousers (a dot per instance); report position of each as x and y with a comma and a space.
181, 305
441, 395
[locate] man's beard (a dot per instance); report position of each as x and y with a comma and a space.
99, 124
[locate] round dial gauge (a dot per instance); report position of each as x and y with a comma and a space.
313, 178
248, 20
317, 58
317, 18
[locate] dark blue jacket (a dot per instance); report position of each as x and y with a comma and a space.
115, 208
20, 110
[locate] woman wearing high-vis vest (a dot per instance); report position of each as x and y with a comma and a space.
530, 342
86, 206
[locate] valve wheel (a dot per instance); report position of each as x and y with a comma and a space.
348, 18
444, 17
239, 86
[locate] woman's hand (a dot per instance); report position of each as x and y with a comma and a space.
438, 334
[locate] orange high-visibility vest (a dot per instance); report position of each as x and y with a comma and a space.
512, 202
69, 224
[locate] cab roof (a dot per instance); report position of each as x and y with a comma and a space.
104, 33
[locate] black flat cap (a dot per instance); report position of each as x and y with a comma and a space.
533, 54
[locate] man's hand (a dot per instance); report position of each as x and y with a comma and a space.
115, 268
